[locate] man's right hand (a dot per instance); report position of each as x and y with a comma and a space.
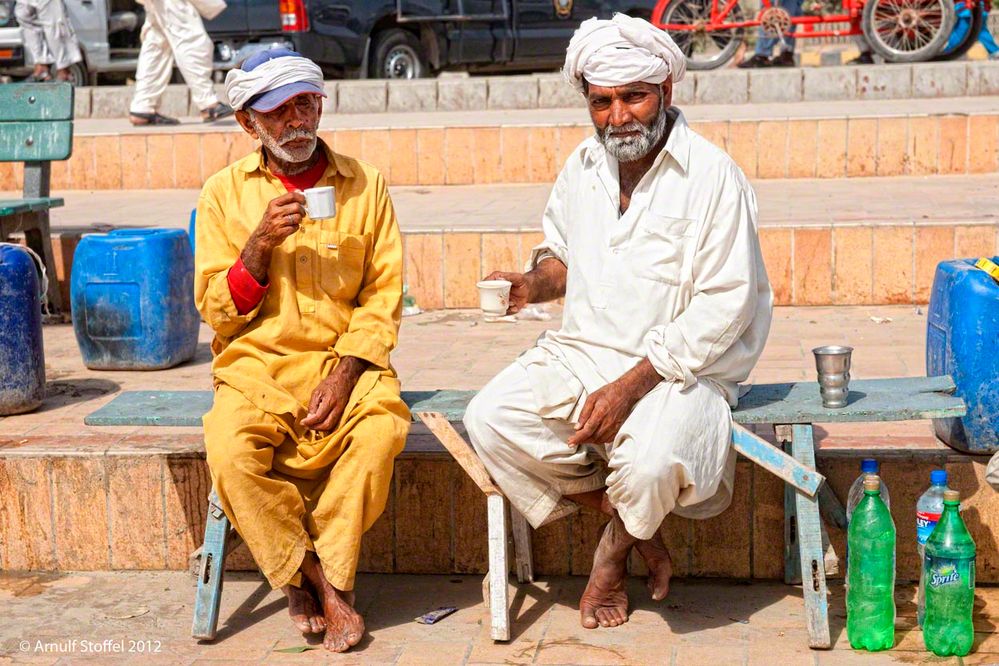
520, 289
281, 219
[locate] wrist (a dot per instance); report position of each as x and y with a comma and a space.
352, 366
641, 379
530, 281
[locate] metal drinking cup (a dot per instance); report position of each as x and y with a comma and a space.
833, 365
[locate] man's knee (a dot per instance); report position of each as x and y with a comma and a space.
233, 455
382, 436
482, 417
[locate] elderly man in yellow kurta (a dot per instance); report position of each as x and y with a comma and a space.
307, 417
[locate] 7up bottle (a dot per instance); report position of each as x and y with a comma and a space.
949, 570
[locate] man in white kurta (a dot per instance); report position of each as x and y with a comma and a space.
173, 33
49, 37
675, 282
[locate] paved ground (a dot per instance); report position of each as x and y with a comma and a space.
702, 112
795, 202
701, 623
456, 349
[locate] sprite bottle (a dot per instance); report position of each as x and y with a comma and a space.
949, 568
870, 593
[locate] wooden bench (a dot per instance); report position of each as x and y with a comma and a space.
791, 408
36, 126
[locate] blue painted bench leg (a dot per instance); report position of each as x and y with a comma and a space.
804, 527
210, 572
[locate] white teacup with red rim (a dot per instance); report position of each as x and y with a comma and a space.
494, 297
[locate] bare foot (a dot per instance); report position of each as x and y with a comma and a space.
660, 566
304, 609
344, 626
604, 602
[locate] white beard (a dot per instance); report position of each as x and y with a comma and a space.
276, 145
632, 148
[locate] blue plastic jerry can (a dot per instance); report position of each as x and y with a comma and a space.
962, 340
22, 358
133, 304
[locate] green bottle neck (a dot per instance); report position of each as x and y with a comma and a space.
951, 528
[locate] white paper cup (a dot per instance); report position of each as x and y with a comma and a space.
320, 202
494, 297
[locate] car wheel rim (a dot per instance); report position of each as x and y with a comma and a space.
402, 63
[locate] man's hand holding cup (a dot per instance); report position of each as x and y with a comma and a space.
500, 289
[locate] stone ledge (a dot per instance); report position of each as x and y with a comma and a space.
726, 85
64, 511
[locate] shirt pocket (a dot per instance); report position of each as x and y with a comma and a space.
341, 264
661, 247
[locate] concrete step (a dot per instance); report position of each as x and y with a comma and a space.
802, 140
549, 91
847, 241
121, 502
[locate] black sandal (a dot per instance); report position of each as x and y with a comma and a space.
151, 119
217, 112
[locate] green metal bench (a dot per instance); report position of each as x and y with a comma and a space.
790, 408
36, 127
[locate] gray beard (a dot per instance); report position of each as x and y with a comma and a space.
286, 154
632, 148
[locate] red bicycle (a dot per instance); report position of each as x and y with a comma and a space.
710, 31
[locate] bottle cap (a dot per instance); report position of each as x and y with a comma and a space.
869, 466
938, 477
952, 496
872, 482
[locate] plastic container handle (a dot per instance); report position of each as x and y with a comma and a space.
989, 267
43, 295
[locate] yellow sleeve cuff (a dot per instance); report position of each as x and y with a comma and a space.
364, 346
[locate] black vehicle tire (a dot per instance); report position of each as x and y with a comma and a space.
704, 50
977, 20
398, 54
892, 47
79, 76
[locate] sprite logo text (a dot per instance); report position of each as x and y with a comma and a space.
945, 575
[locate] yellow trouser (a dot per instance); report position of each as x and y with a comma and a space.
287, 492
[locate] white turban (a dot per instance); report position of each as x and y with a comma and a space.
242, 86
621, 51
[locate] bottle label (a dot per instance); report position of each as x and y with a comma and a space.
949, 572
925, 522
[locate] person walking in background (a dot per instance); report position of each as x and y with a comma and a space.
48, 37
173, 31
964, 25
765, 44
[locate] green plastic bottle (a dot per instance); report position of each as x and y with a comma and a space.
949, 568
870, 577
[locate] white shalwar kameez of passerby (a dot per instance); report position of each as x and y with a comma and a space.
173, 31
47, 33
679, 279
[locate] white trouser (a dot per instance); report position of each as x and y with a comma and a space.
173, 30
48, 35
672, 455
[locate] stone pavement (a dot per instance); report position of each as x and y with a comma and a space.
970, 199
83, 618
